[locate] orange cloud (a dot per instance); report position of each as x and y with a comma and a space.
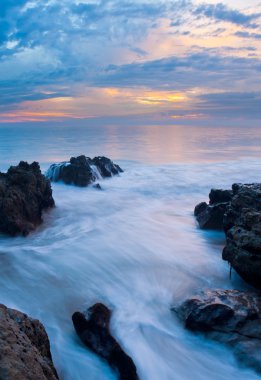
95, 102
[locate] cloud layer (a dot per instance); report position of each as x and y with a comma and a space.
82, 52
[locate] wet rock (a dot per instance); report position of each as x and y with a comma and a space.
106, 167
24, 348
242, 224
220, 196
83, 171
24, 194
229, 316
94, 331
210, 216
200, 208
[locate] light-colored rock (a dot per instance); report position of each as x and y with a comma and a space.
24, 348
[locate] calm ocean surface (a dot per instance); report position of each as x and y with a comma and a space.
134, 246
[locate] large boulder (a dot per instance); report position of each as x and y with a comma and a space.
93, 329
229, 316
24, 348
242, 224
210, 216
83, 171
24, 194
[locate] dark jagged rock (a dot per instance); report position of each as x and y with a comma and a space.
229, 316
220, 196
24, 194
210, 216
200, 208
94, 330
83, 171
106, 167
24, 348
238, 213
242, 224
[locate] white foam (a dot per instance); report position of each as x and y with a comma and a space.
96, 172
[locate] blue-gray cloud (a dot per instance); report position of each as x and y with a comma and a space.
204, 68
245, 34
239, 104
221, 12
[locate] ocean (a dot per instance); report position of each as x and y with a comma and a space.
134, 246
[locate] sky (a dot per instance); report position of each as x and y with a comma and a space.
66, 60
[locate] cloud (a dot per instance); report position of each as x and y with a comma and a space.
221, 12
248, 35
239, 104
56, 49
206, 68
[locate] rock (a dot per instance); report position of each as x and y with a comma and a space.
200, 208
106, 167
228, 316
94, 331
24, 194
238, 213
210, 216
83, 171
242, 224
24, 348
97, 186
220, 196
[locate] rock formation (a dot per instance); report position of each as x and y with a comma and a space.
238, 213
228, 316
210, 216
94, 330
24, 348
83, 171
24, 194
242, 224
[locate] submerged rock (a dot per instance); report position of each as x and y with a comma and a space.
242, 224
83, 171
24, 348
228, 316
97, 186
24, 194
210, 216
94, 330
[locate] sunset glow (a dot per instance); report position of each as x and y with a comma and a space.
194, 56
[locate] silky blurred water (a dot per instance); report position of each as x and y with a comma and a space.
134, 246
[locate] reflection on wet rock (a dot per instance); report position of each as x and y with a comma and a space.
82, 171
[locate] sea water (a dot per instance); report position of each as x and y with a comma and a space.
134, 246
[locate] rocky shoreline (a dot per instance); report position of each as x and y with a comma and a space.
230, 316
25, 193
238, 213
